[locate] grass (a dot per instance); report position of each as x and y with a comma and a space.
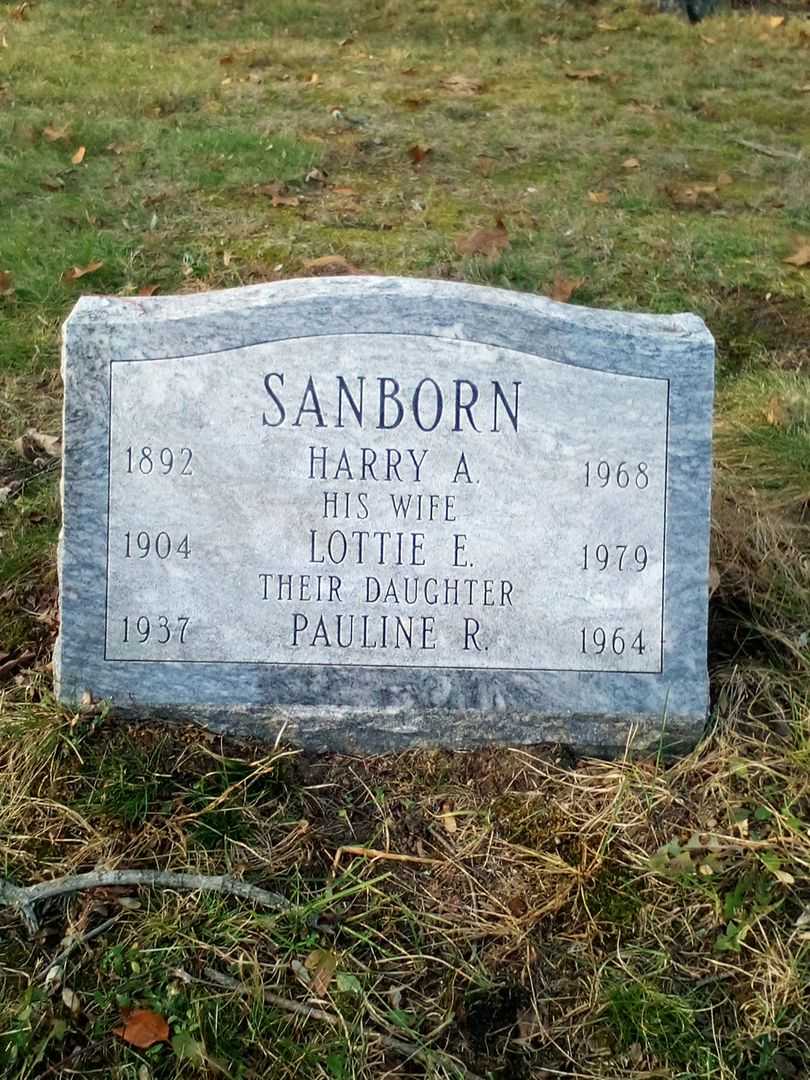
552, 917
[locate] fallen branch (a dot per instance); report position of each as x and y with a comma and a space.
309, 1012
75, 942
377, 853
770, 151
25, 899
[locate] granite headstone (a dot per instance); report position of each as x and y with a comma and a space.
381, 512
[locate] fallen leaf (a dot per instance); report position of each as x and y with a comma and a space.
54, 134
725, 179
708, 40
485, 164
6, 283
631, 163
285, 200
142, 1028
321, 965
414, 104
692, 194
315, 176
805, 89
76, 272
418, 153
462, 86
78, 157
606, 27
32, 442
487, 242
314, 79
564, 288
775, 21
148, 290
517, 906
586, 75
345, 41
225, 60
343, 191
71, 1000
598, 197
448, 817
801, 256
329, 265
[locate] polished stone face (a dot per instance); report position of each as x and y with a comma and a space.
385, 512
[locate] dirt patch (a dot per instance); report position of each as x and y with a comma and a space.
747, 323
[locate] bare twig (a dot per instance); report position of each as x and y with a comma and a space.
376, 853
309, 1012
80, 939
25, 899
770, 151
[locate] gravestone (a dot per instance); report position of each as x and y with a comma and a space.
383, 512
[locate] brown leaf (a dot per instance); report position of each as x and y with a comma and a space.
414, 104
631, 163
606, 27
76, 272
330, 265
462, 86
285, 200
33, 442
775, 21
803, 89
448, 817
485, 164
724, 180
586, 75
321, 965
273, 189
343, 191
598, 197
78, 157
418, 153
801, 256
55, 134
6, 283
564, 288
692, 194
225, 60
142, 1028
148, 290
487, 242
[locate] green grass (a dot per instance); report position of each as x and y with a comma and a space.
590, 919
